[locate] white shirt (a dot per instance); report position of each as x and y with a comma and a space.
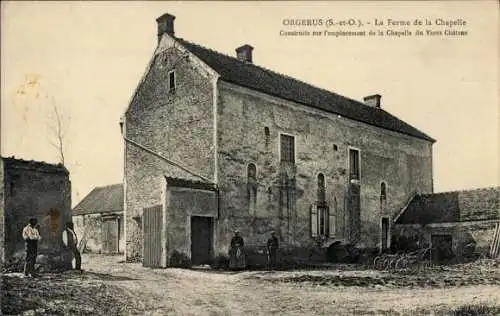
65, 236
31, 233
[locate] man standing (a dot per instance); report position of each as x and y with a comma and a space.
71, 243
31, 236
272, 248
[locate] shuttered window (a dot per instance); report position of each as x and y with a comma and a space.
314, 220
322, 220
331, 220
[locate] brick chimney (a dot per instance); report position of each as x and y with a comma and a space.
165, 25
373, 100
244, 53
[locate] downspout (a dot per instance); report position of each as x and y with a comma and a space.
215, 95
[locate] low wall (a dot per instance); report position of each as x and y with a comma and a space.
463, 235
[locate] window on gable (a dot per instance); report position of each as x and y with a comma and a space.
287, 143
354, 164
171, 80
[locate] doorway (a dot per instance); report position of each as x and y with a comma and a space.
442, 248
201, 240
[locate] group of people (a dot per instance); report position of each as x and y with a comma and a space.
237, 257
31, 236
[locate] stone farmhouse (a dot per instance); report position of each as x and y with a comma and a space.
33, 189
456, 224
98, 220
215, 143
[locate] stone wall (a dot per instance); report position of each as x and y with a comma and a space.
182, 204
40, 193
479, 233
92, 223
163, 120
249, 127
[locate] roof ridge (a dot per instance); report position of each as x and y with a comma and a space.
463, 190
272, 71
272, 82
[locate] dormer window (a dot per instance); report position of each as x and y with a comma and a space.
171, 80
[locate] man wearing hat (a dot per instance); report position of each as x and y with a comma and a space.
272, 248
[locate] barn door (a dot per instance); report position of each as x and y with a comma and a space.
109, 235
151, 230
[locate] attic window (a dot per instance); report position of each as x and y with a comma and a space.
171, 80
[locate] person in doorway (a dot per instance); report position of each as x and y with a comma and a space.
272, 249
70, 241
31, 236
237, 260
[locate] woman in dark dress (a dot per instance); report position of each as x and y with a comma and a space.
237, 260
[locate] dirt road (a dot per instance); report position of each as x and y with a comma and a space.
197, 292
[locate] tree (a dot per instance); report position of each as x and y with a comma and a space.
58, 126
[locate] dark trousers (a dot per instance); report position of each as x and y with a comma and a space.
272, 258
78, 257
31, 253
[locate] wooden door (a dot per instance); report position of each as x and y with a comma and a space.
201, 240
110, 235
151, 229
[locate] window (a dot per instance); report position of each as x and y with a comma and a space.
266, 132
171, 80
321, 187
383, 195
354, 164
382, 190
287, 148
320, 217
252, 187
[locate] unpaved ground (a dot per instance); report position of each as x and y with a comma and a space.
143, 291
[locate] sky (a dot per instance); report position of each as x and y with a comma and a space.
86, 59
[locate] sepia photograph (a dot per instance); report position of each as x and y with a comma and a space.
250, 158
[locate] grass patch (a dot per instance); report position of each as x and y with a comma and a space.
476, 310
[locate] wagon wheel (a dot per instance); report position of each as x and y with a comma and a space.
392, 262
386, 263
401, 263
377, 262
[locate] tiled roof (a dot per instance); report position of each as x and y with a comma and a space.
107, 199
264, 80
188, 183
12, 162
456, 206
431, 208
